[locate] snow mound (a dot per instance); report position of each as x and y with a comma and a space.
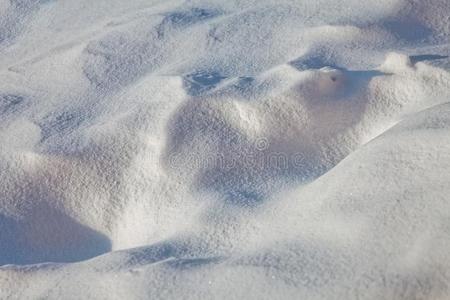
224, 149
300, 124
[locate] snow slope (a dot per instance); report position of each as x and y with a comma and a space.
224, 149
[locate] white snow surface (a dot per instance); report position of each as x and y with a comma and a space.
234, 149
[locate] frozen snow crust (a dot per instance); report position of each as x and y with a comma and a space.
224, 149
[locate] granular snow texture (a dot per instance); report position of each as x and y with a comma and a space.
238, 149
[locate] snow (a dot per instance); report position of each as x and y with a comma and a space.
224, 149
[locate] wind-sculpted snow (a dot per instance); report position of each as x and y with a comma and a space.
224, 149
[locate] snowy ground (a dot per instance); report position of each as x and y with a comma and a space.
262, 149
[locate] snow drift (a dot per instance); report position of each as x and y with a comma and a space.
224, 149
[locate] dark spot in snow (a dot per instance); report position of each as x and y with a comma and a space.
200, 82
60, 123
425, 57
10, 102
